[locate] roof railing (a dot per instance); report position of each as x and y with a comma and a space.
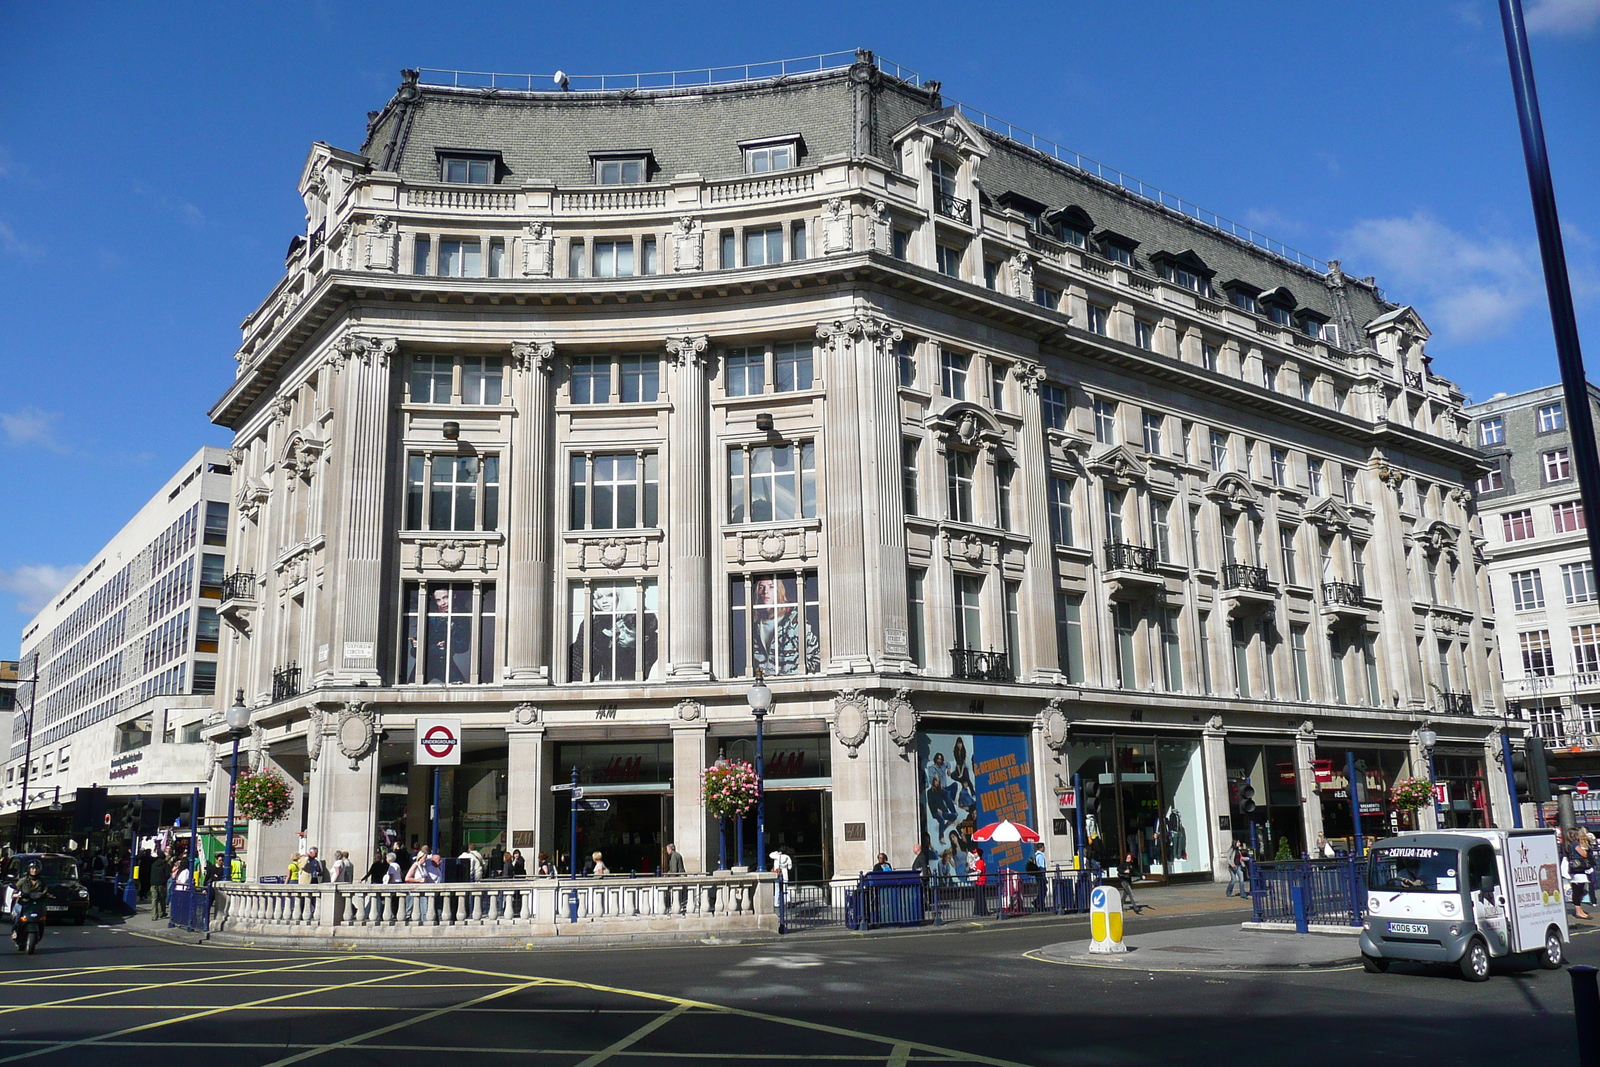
777, 68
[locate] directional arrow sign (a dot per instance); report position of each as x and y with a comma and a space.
598, 804
577, 792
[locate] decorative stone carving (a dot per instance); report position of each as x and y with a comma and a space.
1214, 725
1307, 731
614, 551
295, 568
882, 235
688, 245
688, 351
383, 244
258, 746
850, 719
1233, 494
314, 727
281, 407
902, 718
1055, 724
525, 714
538, 251
864, 326
1387, 473
690, 710
251, 496
1029, 375
1021, 265
836, 236
366, 348
1329, 516
236, 456
452, 554
1119, 468
358, 731
533, 355
1438, 538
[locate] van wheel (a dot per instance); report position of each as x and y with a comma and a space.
1475, 961
1550, 958
1374, 964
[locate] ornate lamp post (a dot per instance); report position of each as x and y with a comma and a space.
238, 725
760, 698
1428, 738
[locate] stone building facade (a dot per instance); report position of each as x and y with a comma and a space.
574, 411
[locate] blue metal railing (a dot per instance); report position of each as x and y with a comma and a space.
189, 907
1331, 891
903, 898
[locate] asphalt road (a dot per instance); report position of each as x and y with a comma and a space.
959, 995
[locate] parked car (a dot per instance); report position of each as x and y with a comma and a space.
66, 898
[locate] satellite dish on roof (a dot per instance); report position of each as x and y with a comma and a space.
561, 79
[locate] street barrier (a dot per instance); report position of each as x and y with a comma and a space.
590, 906
1329, 892
904, 898
189, 908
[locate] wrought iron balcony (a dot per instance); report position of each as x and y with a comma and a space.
952, 207
240, 585
1452, 703
1414, 379
286, 682
1125, 557
978, 666
1244, 576
1343, 593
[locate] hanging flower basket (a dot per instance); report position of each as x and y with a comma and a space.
262, 795
1410, 794
729, 790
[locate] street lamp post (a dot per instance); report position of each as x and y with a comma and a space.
760, 698
1428, 738
238, 726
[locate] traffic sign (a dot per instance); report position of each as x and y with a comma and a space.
438, 743
577, 792
598, 804
1582, 789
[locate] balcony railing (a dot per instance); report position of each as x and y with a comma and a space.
286, 682
1343, 593
240, 585
1244, 576
1414, 379
1452, 703
979, 666
1126, 557
952, 207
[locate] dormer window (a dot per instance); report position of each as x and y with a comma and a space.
1279, 306
767, 154
1243, 296
1117, 248
621, 168
1186, 270
468, 168
1312, 325
1028, 208
1073, 225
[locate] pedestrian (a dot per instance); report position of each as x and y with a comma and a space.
675, 860
883, 865
312, 870
160, 873
294, 868
434, 871
545, 869
980, 880
378, 868
1127, 874
1324, 847
519, 866
1038, 866
1579, 867
596, 867
470, 866
922, 862
343, 870
1236, 881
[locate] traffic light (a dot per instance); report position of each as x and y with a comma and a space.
1247, 798
1090, 798
1538, 771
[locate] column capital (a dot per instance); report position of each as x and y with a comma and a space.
365, 347
688, 350
533, 355
1029, 375
865, 326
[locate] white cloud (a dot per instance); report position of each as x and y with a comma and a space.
36, 584
1467, 288
30, 426
1563, 16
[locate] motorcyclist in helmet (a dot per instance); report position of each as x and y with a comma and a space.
28, 888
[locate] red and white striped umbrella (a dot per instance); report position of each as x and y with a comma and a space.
1005, 830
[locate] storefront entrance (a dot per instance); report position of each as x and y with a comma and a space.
634, 778
799, 822
1377, 770
1276, 828
1466, 803
1152, 804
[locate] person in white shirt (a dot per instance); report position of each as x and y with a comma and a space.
472, 863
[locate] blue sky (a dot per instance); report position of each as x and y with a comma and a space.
148, 157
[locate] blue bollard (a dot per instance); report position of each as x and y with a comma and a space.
1297, 900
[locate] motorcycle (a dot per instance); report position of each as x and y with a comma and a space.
28, 928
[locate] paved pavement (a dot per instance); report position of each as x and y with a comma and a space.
1204, 949
963, 994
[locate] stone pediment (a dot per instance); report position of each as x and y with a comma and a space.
952, 128
966, 424
1329, 515
1438, 537
1233, 493
1118, 466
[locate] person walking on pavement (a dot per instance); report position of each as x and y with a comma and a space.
160, 874
1236, 879
980, 881
922, 863
545, 868
378, 869
314, 867
1127, 874
1579, 867
471, 865
675, 861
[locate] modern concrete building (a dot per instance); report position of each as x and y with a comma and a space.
576, 412
126, 657
1546, 604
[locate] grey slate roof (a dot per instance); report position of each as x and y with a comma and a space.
547, 137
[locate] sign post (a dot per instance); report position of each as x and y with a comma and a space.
1105, 920
438, 744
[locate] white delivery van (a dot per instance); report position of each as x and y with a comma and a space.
1464, 896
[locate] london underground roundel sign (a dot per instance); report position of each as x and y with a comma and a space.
438, 742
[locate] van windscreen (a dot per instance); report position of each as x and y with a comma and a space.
1414, 869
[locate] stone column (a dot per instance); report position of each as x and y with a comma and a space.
342, 793
845, 343
854, 842
1213, 741
363, 523
268, 848
525, 788
1305, 778
688, 510
1494, 769
883, 499
1038, 594
896, 810
530, 522
688, 829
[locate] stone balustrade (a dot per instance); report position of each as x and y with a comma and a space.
613, 907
